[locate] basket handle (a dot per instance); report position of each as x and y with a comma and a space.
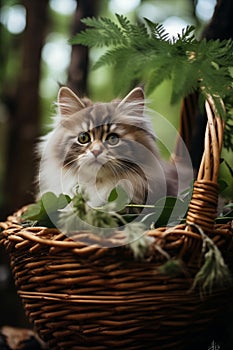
203, 205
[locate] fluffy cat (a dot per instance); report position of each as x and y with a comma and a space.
96, 146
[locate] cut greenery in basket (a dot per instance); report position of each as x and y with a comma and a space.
49, 210
74, 214
214, 272
190, 64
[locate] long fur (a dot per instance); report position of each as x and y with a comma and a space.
134, 162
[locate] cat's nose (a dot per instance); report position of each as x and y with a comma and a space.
96, 149
96, 152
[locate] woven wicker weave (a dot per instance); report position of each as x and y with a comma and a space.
80, 295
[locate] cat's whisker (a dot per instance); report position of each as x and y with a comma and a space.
129, 172
68, 169
68, 166
97, 145
126, 166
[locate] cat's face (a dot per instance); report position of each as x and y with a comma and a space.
103, 143
99, 139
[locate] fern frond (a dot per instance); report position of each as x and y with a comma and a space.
186, 35
180, 85
124, 22
89, 38
138, 32
101, 32
157, 31
191, 64
110, 57
157, 77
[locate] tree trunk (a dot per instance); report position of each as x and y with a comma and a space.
24, 122
78, 69
220, 27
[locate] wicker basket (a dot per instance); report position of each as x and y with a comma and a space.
80, 295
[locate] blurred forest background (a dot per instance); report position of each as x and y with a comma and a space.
35, 58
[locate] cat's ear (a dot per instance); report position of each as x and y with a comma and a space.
136, 94
68, 102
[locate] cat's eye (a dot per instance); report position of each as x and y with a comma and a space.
84, 137
112, 139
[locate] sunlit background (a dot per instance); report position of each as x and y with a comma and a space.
174, 15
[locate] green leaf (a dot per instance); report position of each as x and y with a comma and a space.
32, 213
222, 185
124, 22
173, 210
226, 215
172, 267
157, 76
157, 30
117, 200
49, 202
63, 201
113, 195
102, 32
229, 167
45, 211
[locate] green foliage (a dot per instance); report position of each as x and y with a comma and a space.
117, 200
172, 267
167, 211
74, 214
214, 272
144, 51
79, 216
45, 212
137, 239
226, 215
94, 220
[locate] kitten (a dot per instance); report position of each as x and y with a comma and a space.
96, 146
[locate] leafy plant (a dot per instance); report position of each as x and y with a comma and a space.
137, 240
73, 214
171, 211
144, 51
214, 271
226, 215
46, 210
